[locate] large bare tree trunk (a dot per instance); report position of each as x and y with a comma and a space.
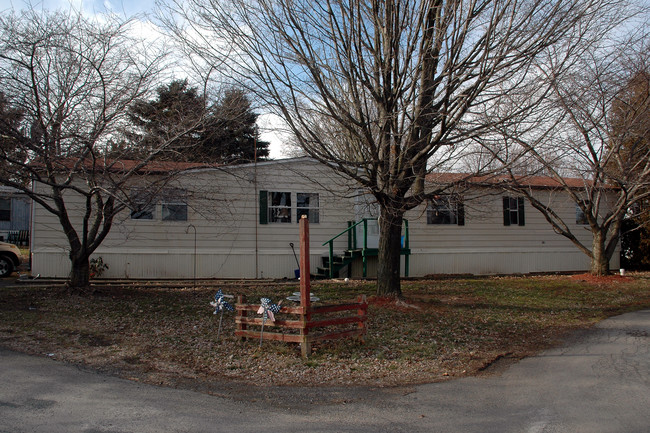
599, 258
390, 243
80, 272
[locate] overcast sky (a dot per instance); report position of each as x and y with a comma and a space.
128, 8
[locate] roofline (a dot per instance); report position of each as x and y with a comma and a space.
4, 189
263, 163
122, 165
275, 161
501, 180
445, 178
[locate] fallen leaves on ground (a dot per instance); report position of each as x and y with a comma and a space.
441, 329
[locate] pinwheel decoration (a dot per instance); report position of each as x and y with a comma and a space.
268, 311
220, 305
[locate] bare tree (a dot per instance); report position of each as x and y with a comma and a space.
591, 135
384, 91
72, 79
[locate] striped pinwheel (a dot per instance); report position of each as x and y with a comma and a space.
267, 310
220, 303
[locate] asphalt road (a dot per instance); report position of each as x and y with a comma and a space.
598, 382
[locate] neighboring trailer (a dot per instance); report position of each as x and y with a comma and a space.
15, 210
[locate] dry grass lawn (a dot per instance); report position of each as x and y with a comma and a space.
444, 328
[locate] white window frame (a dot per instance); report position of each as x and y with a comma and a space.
311, 210
516, 207
171, 198
280, 211
146, 208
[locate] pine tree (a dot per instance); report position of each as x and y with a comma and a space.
233, 137
223, 132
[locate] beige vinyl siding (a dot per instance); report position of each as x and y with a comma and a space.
484, 245
223, 207
230, 243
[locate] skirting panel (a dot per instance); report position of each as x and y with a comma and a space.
163, 264
279, 264
502, 262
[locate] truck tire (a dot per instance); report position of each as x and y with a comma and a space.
6, 266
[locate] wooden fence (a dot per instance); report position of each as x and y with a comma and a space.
304, 327
309, 323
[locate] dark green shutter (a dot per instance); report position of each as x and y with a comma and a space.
264, 207
506, 211
520, 209
461, 212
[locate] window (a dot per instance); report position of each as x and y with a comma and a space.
279, 207
143, 213
143, 206
446, 209
513, 211
174, 205
174, 211
581, 218
307, 204
275, 207
5, 209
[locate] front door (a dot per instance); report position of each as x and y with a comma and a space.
365, 206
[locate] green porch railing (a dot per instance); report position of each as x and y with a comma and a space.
352, 245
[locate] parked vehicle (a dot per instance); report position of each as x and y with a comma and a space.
10, 258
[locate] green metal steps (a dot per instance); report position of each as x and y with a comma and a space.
357, 248
338, 263
348, 257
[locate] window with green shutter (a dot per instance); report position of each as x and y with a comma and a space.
264, 207
279, 209
446, 209
513, 211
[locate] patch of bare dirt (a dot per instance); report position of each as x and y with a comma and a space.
604, 279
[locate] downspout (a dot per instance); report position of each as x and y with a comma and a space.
31, 230
187, 230
256, 206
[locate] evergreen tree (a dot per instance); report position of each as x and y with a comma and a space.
177, 115
234, 137
224, 132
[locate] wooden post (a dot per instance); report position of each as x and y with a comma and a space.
361, 313
241, 299
305, 311
305, 286
305, 282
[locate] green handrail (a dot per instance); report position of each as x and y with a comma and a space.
350, 227
352, 241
